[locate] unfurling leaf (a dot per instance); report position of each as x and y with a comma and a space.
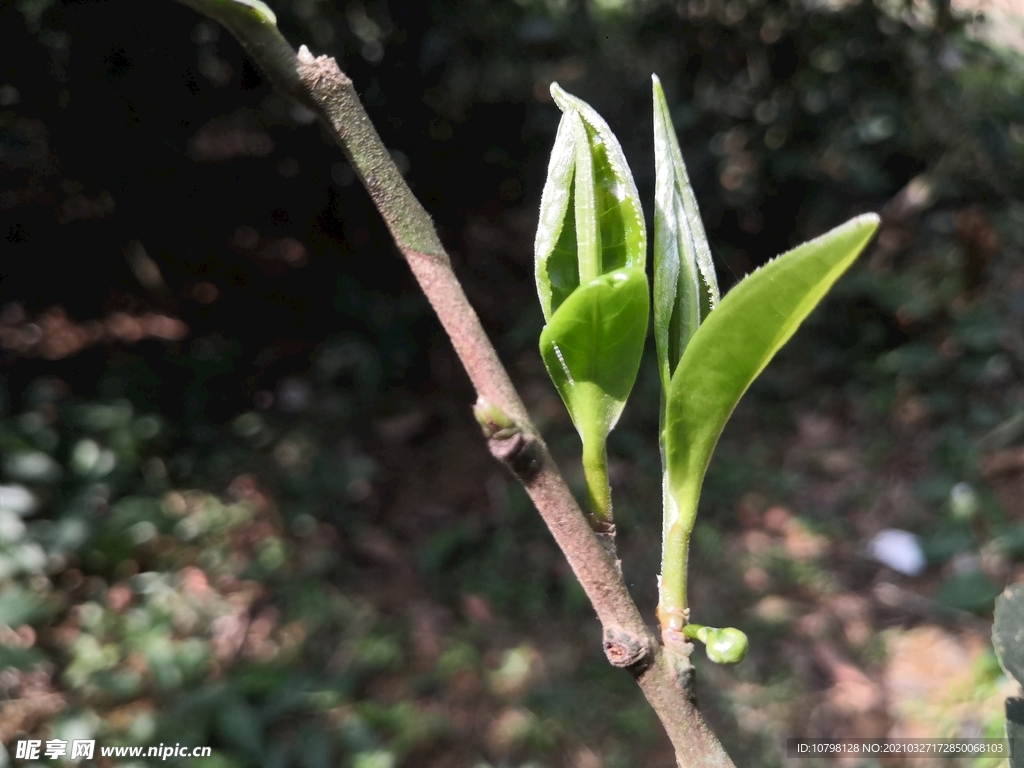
590, 258
735, 343
685, 286
611, 200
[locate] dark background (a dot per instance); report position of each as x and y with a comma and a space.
265, 520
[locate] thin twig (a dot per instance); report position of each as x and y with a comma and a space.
318, 83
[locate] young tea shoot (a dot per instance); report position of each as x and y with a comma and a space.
710, 355
590, 252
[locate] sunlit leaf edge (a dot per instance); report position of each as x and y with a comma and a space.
690, 437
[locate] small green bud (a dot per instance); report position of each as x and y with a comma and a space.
495, 423
724, 646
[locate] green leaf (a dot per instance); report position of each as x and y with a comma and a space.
735, 343
591, 254
621, 228
685, 286
1008, 631
592, 349
591, 222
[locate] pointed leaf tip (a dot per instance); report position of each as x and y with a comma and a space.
591, 222
685, 284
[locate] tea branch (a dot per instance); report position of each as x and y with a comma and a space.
318, 84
